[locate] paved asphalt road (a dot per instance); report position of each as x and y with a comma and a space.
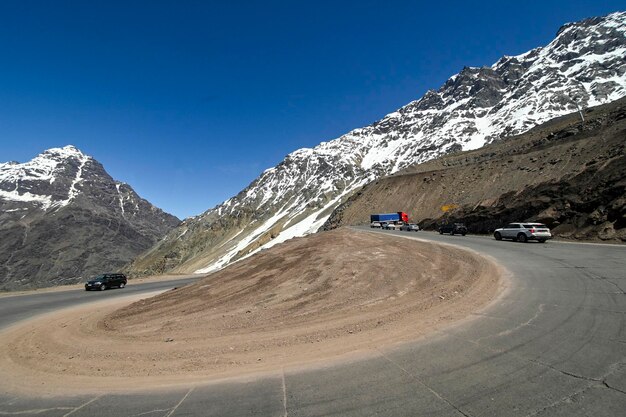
555, 345
16, 308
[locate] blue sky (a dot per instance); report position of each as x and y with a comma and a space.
189, 101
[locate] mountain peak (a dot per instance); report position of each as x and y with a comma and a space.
51, 180
615, 20
63, 195
68, 151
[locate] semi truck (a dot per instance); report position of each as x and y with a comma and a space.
399, 216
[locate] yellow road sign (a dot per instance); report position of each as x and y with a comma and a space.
449, 207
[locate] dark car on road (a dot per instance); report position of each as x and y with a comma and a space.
453, 229
103, 281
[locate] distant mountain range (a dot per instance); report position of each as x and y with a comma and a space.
63, 218
583, 66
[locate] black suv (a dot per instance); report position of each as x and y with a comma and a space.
453, 229
103, 281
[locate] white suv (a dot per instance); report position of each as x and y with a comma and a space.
523, 232
410, 227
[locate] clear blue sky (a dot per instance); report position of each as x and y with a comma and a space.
189, 101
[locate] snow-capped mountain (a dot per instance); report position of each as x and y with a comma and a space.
583, 66
62, 218
34, 183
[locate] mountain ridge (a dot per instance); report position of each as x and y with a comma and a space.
582, 67
64, 218
565, 173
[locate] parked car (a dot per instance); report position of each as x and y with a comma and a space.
103, 281
410, 227
453, 229
391, 226
523, 232
375, 225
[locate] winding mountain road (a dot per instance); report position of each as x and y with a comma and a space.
553, 345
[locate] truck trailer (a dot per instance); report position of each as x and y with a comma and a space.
399, 216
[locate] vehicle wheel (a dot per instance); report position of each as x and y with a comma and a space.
521, 238
452, 233
463, 234
122, 285
497, 235
542, 241
441, 232
103, 287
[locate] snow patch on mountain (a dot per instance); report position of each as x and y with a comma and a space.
73, 192
23, 182
26, 197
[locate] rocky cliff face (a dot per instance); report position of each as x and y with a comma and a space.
63, 218
582, 67
565, 173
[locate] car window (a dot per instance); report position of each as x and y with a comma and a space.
512, 226
529, 226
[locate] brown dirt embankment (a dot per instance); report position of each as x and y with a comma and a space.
311, 299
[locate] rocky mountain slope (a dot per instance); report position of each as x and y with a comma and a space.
565, 173
63, 218
582, 67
